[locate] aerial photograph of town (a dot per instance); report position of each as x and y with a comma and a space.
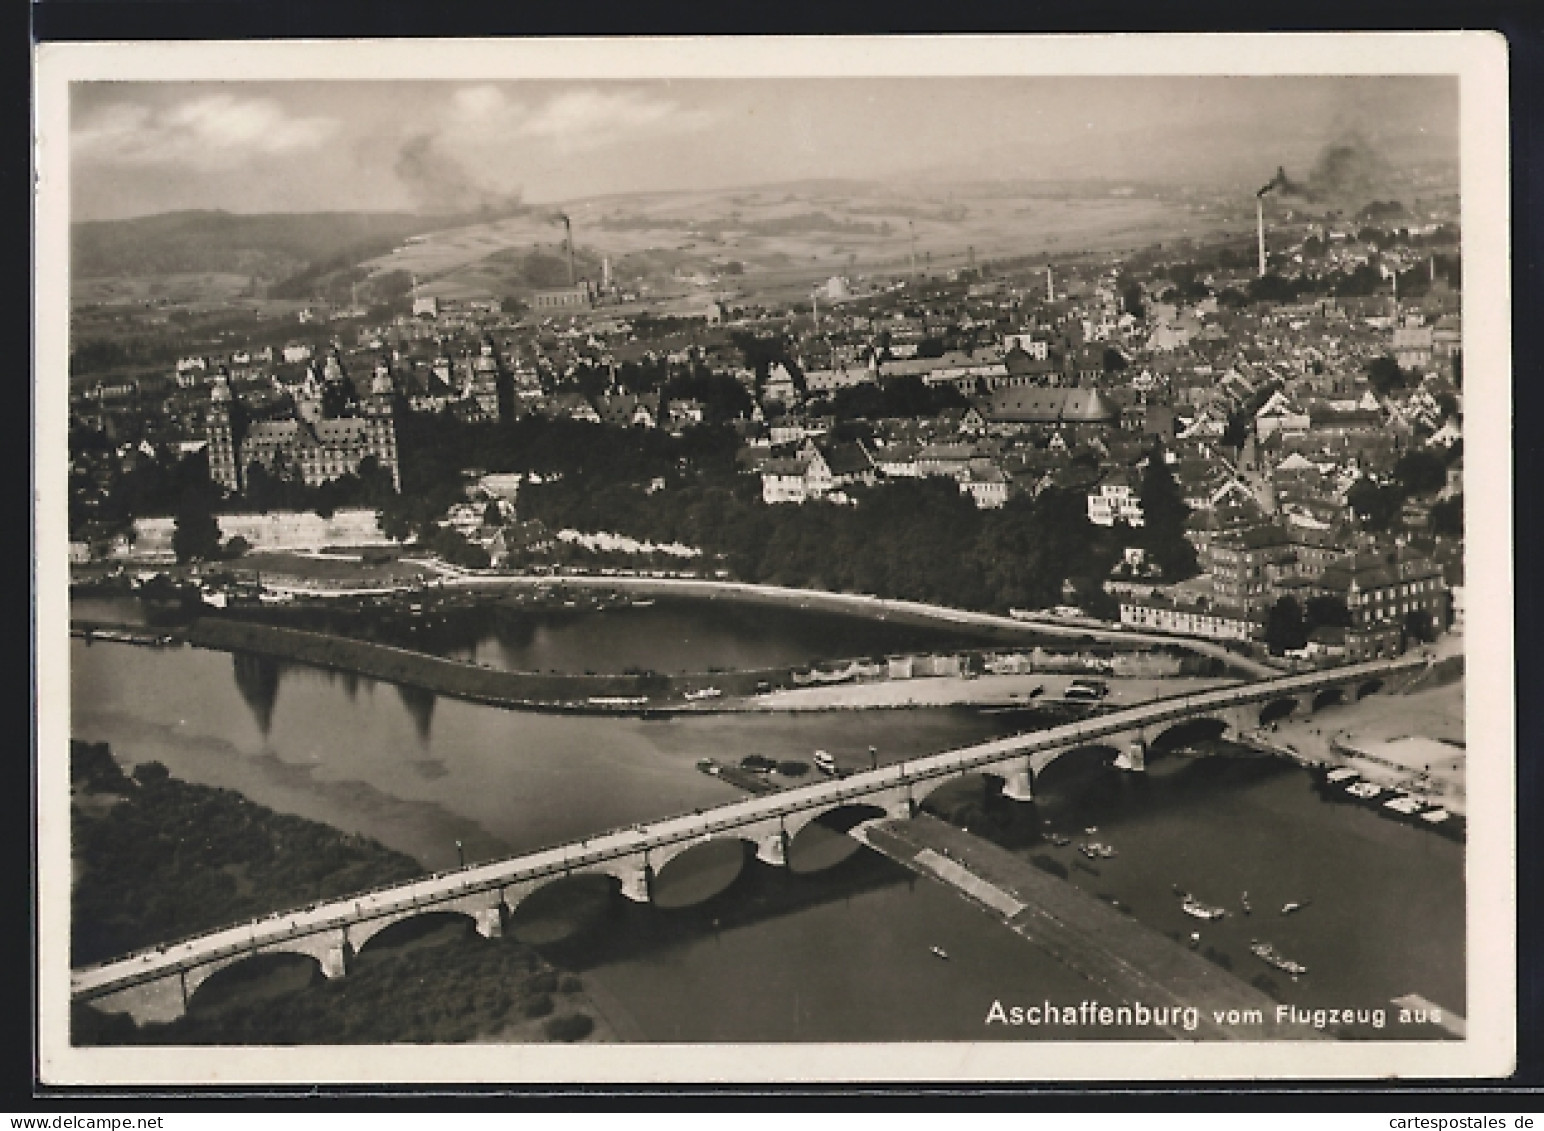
766, 560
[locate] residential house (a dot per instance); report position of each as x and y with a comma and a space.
1115, 501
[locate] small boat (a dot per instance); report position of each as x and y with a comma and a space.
1266, 953
824, 762
1193, 907
1058, 840
1243, 901
1288, 908
1195, 939
1089, 850
1105, 851
705, 693
1091, 830
940, 951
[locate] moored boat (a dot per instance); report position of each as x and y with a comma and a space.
1193, 907
1266, 953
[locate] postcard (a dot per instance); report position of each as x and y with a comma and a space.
882, 559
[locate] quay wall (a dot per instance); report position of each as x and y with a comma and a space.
456, 678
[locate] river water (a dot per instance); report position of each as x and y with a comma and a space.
838, 948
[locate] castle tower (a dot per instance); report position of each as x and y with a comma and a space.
380, 423
224, 465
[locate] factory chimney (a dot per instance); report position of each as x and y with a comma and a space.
1050, 288
1259, 207
605, 273
913, 229
568, 231
568, 240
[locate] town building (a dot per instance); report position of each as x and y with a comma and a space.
317, 448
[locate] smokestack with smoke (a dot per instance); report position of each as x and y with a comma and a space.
568, 240
1259, 210
1345, 170
442, 184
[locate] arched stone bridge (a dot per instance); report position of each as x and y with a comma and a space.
156, 985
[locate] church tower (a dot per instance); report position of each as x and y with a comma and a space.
224, 465
380, 423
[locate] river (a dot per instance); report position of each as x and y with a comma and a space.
836, 954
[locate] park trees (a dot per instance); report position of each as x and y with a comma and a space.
195, 531
1285, 628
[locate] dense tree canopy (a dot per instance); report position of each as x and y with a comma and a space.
1285, 628
1164, 514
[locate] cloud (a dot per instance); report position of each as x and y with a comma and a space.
572, 121
211, 132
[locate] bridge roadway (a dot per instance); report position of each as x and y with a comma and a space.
283, 930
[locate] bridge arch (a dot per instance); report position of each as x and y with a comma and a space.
1329, 697
1197, 729
363, 935
699, 870
1068, 762
1369, 687
209, 978
1277, 709
558, 907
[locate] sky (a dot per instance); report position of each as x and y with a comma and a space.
139, 148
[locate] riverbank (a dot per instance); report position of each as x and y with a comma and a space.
158, 858
1410, 740
1014, 691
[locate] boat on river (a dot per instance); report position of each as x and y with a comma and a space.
705, 693
1268, 954
824, 762
1193, 907
940, 951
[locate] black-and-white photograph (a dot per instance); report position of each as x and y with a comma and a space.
566, 552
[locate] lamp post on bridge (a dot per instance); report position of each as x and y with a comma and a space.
461, 853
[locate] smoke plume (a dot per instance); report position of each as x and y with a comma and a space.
441, 183
1345, 170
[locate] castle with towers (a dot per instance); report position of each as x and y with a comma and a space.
318, 447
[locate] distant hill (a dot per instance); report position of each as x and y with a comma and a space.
271, 245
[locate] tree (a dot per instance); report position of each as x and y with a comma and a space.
1417, 626
492, 515
196, 532
1114, 360
1164, 515
1447, 517
1325, 611
1376, 506
1285, 630
1131, 299
1386, 375
1420, 471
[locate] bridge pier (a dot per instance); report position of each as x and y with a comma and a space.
490, 922
638, 884
772, 848
334, 961
1019, 785
1133, 758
